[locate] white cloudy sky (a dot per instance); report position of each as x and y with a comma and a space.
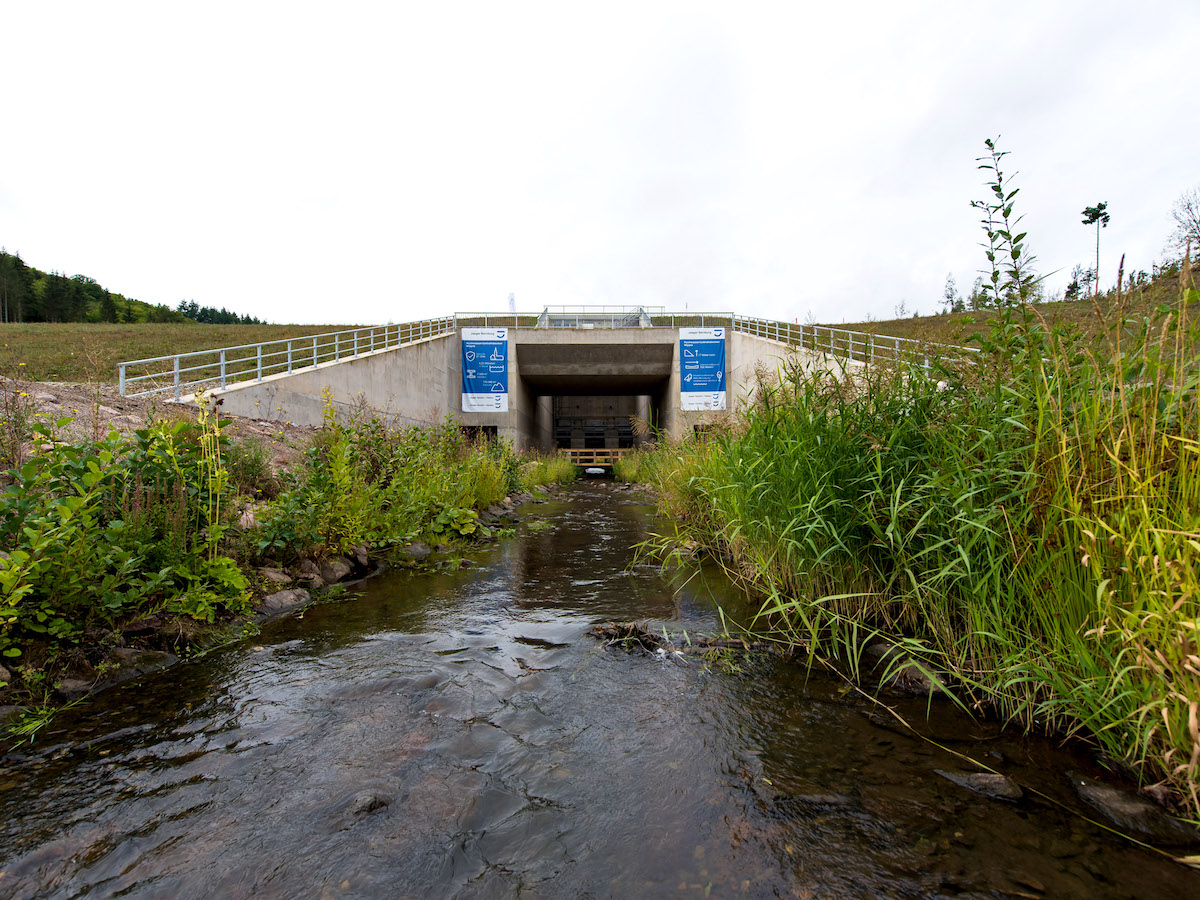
369, 162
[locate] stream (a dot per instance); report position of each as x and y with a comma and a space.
460, 734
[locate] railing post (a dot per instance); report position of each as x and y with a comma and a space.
121, 378
258, 362
337, 345
871, 343
355, 353
222, 368
314, 349
176, 377
289, 357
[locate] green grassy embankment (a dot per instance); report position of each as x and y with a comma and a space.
78, 352
1028, 527
1090, 317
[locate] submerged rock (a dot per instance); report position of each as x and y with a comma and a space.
365, 802
139, 662
989, 784
74, 688
903, 673
124, 663
1132, 813
282, 601
417, 551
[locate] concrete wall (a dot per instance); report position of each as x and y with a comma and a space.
421, 383
411, 384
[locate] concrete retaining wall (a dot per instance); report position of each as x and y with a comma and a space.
420, 383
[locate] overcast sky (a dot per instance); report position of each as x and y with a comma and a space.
372, 162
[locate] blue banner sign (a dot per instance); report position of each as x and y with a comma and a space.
485, 370
702, 368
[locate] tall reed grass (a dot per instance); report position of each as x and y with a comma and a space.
1028, 525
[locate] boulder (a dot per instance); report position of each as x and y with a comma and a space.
249, 518
417, 551
282, 601
989, 784
334, 570
904, 673
1132, 813
277, 576
5, 675
309, 571
74, 688
143, 626
362, 555
138, 662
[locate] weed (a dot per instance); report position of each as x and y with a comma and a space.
1030, 525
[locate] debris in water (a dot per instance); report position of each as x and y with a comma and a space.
637, 636
630, 635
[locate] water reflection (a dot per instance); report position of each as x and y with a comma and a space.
459, 734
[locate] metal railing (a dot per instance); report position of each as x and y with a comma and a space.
855, 345
187, 373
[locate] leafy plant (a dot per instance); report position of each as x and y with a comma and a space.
1010, 278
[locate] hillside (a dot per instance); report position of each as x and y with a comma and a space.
77, 352
1091, 317
28, 294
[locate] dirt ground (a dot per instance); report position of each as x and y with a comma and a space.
95, 408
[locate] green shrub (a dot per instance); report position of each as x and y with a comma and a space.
98, 532
248, 461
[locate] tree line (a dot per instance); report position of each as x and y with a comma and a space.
31, 295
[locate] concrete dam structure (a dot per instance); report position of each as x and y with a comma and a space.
570, 387
568, 378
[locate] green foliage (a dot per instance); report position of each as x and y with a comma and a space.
248, 461
556, 468
463, 522
1010, 278
364, 482
102, 531
1029, 524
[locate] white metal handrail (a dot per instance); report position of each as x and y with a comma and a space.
186, 373
856, 345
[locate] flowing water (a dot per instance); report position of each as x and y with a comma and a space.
460, 734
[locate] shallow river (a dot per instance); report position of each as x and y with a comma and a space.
461, 735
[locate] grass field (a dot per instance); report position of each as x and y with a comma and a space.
957, 328
90, 352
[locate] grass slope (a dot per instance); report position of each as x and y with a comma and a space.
78, 351
1088, 316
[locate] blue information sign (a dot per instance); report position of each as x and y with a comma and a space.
485, 370
702, 368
